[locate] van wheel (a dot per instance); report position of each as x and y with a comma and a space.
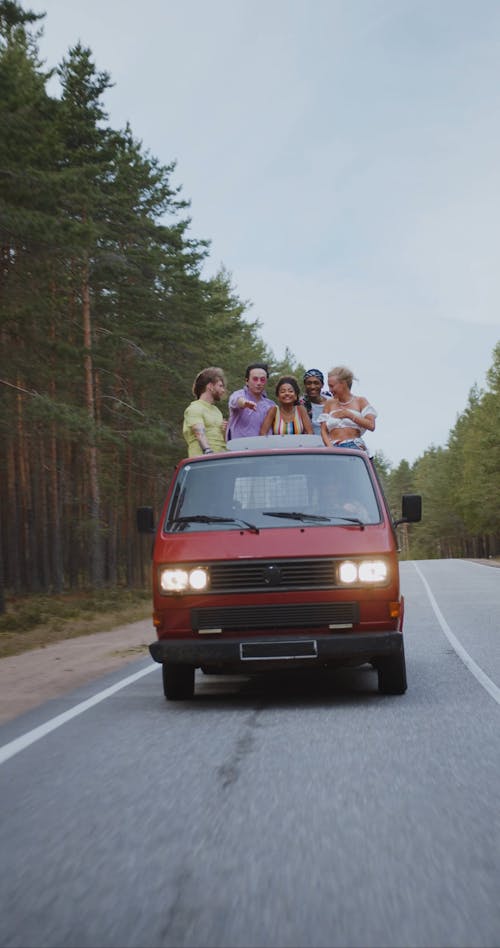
178, 681
392, 674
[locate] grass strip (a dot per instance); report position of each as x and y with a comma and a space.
36, 621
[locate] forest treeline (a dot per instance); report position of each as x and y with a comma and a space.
105, 318
459, 484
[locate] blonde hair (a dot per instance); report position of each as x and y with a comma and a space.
343, 374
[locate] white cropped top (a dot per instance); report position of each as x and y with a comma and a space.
331, 420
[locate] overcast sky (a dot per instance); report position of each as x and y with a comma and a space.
343, 158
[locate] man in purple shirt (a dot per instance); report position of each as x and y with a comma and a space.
248, 406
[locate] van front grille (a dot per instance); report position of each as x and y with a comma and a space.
278, 616
259, 575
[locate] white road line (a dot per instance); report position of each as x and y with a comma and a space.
14, 747
478, 672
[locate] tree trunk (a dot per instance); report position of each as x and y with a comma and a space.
41, 516
54, 504
94, 504
28, 572
13, 528
2, 593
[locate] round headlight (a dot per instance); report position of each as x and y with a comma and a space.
348, 572
198, 579
373, 571
173, 580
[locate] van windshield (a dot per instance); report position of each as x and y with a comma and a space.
268, 491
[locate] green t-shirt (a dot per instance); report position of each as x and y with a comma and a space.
211, 417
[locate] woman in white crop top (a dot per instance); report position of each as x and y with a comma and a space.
345, 417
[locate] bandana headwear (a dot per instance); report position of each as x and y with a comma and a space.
316, 373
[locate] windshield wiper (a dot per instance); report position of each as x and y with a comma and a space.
294, 515
297, 515
207, 518
350, 520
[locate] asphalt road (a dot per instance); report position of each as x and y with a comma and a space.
296, 812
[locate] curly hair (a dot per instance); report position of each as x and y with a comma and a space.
288, 380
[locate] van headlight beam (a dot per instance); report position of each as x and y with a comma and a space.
371, 572
178, 579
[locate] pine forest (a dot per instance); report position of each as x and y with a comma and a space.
105, 318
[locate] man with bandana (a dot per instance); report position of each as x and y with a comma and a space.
313, 399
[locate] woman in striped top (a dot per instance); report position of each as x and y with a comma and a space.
287, 417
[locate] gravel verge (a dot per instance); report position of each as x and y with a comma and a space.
31, 678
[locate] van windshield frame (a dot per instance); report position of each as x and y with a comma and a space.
273, 491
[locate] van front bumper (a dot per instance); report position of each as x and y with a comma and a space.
261, 652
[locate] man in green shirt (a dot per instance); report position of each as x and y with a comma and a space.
204, 427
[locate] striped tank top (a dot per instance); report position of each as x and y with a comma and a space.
282, 427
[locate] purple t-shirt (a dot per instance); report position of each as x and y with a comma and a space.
246, 422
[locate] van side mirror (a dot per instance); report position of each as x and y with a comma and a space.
411, 509
145, 520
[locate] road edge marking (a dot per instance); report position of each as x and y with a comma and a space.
462, 653
20, 743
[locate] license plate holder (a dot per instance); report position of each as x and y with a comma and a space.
278, 651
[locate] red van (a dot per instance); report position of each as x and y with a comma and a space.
278, 553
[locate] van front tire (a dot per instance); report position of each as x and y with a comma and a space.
392, 674
178, 681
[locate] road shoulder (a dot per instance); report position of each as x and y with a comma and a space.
30, 679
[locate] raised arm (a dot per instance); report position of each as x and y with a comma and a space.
238, 401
